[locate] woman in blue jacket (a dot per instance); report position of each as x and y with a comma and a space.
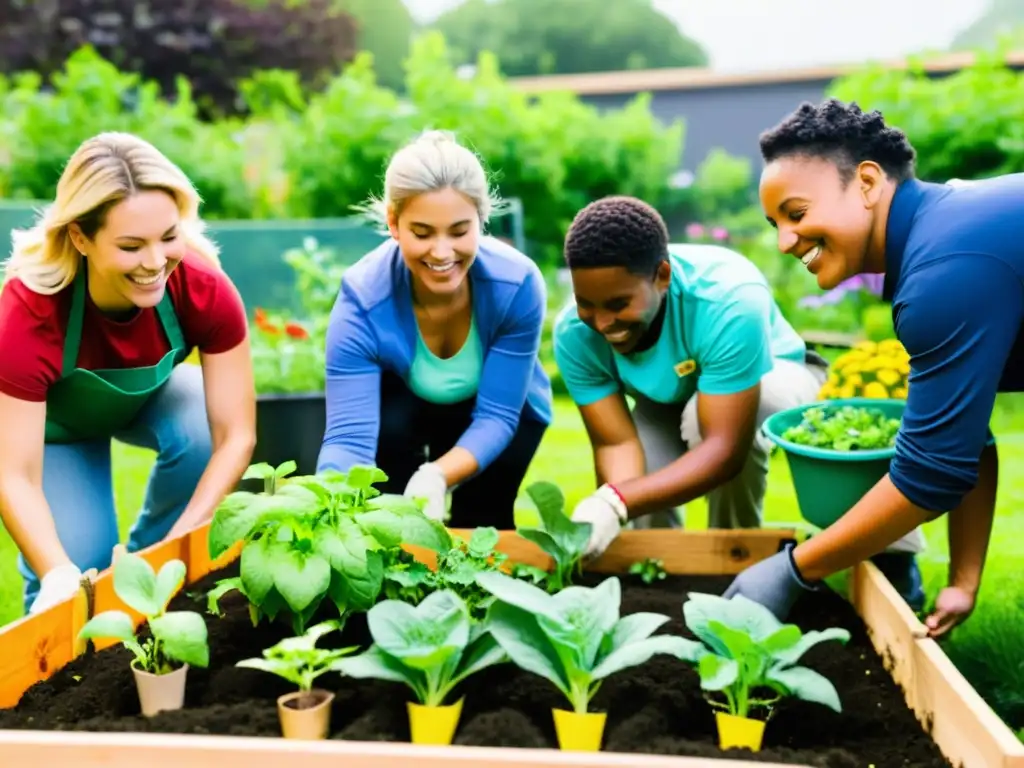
839, 186
433, 372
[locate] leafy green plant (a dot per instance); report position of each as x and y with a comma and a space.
408, 579
561, 538
575, 638
431, 647
177, 637
298, 660
746, 648
844, 428
649, 570
315, 537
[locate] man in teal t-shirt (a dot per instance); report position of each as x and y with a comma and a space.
693, 334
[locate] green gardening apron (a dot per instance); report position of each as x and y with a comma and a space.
84, 404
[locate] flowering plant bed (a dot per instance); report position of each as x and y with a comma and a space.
651, 707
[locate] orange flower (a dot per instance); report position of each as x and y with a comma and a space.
264, 324
296, 331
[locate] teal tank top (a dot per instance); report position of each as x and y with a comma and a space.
451, 380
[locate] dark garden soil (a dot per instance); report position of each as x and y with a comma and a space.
657, 708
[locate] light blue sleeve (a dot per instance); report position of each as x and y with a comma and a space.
735, 341
586, 372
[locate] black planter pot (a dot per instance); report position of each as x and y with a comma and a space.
289, 427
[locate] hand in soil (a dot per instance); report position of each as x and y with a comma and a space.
952, 606
773, 582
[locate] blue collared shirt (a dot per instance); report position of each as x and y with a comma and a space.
955, 276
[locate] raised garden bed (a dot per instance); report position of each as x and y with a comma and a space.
653, 709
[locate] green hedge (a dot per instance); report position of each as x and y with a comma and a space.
300, 155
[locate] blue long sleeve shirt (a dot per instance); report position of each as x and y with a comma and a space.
955, 277
373, 328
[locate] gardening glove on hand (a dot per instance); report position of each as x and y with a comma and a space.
606, 512
774, 582
428, 482
59, 584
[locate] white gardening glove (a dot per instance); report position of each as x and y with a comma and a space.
606, 513
428, 482
59, 584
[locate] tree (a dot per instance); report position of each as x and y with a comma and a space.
385, 30
541, 37
211, 43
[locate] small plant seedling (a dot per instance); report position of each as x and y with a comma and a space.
298, 660
561, 538
649, 570
177, 637
431, 647
844, 428
746, 648
575, 638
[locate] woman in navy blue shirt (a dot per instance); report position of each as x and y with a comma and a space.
433, 372
839, 186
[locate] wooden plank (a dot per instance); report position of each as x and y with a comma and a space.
34, 647
965, 728
133, 750
698, 553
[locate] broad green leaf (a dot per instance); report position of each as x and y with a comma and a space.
377, 664
737, 643
280, 667
717, 672
785, 637
168, 579
232, 522
547, 497
286, 469
520, 594
805, 684
482, 652
517, 631
259, 471
113, 624
183, 637
585, 616
544, 540
363, 478
630, 629
412, 527
135, 584
256, 568
300, 577
639, 652
792, 654
422, 636
223, 587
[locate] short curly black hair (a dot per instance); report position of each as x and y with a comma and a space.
844, 134
617, 231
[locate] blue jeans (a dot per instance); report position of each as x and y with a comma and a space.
78, 477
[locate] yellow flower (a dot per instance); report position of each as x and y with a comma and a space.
846, 391
854, 380
866, 346
873, 364
900, 393
888, 376
890, 346
904, 368
874, 389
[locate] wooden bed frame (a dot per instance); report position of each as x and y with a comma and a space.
967, 731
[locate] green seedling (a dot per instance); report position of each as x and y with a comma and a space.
559, 537
431, 647
298, 660
649, 570
844, 428
177, 637
575, 638
747, 649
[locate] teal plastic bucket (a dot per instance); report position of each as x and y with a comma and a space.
828, 483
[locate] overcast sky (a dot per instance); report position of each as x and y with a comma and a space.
756, 34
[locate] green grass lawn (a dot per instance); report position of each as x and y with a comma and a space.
987, 649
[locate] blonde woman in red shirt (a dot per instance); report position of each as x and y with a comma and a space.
104, 298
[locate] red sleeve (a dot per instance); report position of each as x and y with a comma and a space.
209, 308
31, 340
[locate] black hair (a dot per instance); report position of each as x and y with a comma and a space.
617, 231
844, 134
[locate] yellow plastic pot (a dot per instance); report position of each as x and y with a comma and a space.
433, 725
736, 731
579, 731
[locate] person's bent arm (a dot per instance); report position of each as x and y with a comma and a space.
736, 354
958, 321
231, 410
618, 453
352, 389
23, 507
504, 382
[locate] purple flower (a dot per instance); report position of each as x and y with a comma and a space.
720, 233
694, 231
